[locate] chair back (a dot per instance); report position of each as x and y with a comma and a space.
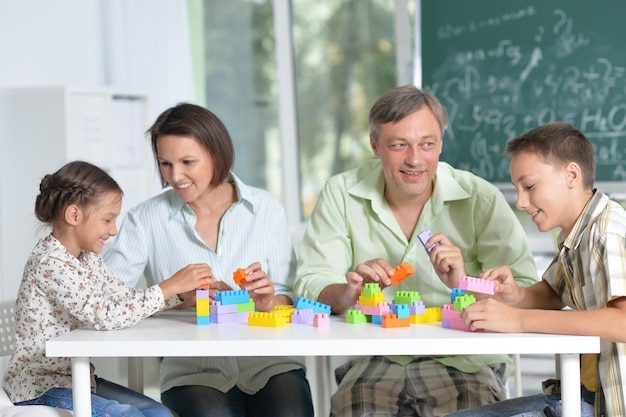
7, 346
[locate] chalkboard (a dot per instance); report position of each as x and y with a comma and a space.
502, 68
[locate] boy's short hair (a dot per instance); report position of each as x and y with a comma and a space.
558, 144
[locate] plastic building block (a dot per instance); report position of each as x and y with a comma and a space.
202, 306
449, 312
239, 276
233, 297
377, 310
463, 301
230, 318
401, 311
423, 237
406, 297
218, 309
302, 302
391, 320
355, 317
202, 293
284, 307
401, 272
455, 293
482, 286
321, 320
242, 307
285, 314
265, 319
203, 320
370, 289
417, 307
374, 300
431, 314
304, 316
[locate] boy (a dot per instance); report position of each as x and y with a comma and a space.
553, 169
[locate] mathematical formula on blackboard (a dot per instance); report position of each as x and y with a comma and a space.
507, 67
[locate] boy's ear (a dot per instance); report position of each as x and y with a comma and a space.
574, 174
73, 214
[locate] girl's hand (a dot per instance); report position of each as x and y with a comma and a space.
188, 279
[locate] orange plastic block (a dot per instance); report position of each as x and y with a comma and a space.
391, 320
401, 272
240, 276
205, 286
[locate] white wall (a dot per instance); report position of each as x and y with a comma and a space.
51, 42
137, 46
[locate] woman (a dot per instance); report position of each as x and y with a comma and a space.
209, 216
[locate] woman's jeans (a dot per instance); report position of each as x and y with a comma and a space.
110, 400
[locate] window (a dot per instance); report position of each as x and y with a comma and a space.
344, 54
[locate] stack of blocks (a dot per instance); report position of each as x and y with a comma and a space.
451, 313
407, 307
237, 307
372, 308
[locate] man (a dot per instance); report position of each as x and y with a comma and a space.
367, 221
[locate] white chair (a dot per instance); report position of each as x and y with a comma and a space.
7, 345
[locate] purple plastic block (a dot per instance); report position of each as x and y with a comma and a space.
417, 307
423, 237
230, 318
304, 316
218, 308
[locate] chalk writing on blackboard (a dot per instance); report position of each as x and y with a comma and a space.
502, 69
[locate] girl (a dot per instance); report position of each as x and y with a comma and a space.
66, 285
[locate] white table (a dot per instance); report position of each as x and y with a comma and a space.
176, 334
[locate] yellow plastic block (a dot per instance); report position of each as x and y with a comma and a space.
202, 307
431, 314
372, 301
265, 319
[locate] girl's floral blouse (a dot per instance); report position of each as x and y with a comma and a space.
60, 293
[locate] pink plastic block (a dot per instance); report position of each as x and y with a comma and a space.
379, 310
321, 320
482, 286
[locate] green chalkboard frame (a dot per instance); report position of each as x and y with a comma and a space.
503, 67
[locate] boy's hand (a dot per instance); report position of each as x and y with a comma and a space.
505, 288
447, 260
492, 315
